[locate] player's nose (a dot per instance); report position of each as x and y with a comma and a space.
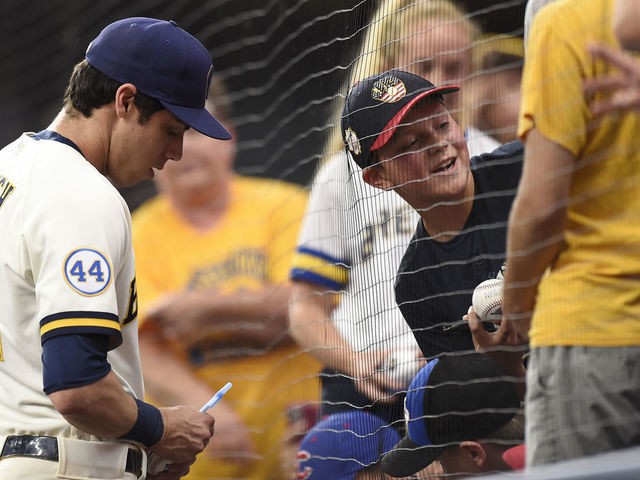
174, 150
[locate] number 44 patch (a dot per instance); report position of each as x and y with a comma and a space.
87, 271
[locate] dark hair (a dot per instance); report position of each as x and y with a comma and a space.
89, 89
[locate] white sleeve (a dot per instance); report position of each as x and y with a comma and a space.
322, 255
75, 236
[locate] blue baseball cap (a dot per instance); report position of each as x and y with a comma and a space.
342, 444
452, 399
374, 107
164, 62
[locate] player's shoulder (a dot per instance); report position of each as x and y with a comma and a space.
62, 175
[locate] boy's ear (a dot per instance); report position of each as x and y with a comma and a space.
375, 176
475, 451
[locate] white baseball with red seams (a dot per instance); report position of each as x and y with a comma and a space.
487, 300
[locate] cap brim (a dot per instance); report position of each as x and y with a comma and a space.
407, 458
389, 128
199, 119
515, 457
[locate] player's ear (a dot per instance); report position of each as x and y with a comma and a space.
375, 176
475, 452
124, 99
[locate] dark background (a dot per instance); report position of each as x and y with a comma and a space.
282, 60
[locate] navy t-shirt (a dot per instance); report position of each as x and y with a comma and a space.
436, 280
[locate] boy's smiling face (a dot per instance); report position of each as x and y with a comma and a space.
426, 161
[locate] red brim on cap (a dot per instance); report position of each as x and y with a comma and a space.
387, 131
515, 457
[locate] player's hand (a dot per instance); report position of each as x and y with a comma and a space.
625, 87
186, 433
174, 471
232, 440
180, 316
364, 369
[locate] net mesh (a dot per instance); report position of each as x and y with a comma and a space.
286, 65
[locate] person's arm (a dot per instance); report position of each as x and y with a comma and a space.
159, 364
101, 408
312, 328
536, 226
256, 316
626, 19
104, 409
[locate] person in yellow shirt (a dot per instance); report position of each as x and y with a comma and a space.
212, 257
573, 251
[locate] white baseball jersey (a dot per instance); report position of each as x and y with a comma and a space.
352, 241
66, 266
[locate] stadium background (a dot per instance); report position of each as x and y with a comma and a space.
282, 60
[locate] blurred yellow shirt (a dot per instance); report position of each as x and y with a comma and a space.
250, 247
591, 294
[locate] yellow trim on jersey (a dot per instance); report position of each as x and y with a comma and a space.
79, 322
1, 355
320, 266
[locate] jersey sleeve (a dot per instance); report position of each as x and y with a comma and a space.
76, 237
322, 253
552, 97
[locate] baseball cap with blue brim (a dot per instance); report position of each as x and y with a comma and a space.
164, 62
342, 444
375, 106
452, 399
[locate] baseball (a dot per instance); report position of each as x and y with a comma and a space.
487, 300
402, 365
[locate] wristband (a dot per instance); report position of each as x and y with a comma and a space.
149, 426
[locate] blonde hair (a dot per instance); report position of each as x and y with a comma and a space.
384, 40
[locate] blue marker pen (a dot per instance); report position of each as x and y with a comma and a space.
216, 398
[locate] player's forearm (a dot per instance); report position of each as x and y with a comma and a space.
311, 326
101, 408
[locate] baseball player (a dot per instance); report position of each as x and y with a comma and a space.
70, 370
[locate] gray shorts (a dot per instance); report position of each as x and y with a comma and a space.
581, 401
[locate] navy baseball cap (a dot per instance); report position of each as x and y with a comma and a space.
162, 61
452, 399
342, 444
375, 106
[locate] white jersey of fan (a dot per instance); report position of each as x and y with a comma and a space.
66, 266
366, 231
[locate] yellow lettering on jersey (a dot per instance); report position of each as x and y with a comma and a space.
6, 187
132, 308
